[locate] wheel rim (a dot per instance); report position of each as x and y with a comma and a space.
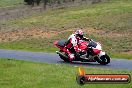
103, 59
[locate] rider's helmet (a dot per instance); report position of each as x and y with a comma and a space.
79, 33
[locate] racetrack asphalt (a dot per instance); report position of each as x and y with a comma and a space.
53, 58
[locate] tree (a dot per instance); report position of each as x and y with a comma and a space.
45, 3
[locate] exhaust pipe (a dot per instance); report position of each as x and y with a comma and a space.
61, 54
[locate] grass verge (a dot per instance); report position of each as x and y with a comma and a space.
25, 74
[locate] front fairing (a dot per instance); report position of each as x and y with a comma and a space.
83, 45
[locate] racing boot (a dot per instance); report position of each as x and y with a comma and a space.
71, 57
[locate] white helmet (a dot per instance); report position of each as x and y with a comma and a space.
79, 33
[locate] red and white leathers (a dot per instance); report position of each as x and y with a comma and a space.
73, 42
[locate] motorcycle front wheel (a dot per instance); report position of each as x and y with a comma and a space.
103, 60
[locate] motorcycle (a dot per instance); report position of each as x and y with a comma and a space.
92, 52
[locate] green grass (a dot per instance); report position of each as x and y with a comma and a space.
121, 55
10, 3
35, 45
25, 74
114, 15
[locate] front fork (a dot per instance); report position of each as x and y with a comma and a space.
101, 54
89, 52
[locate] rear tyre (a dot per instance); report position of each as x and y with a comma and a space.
65, 59
103, 60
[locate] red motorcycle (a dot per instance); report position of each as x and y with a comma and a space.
92, 52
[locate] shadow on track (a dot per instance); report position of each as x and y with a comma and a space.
91, 64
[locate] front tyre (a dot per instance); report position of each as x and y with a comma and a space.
104, 59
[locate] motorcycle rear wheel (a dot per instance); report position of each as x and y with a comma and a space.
65, 59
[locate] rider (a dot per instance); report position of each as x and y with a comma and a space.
73, 42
